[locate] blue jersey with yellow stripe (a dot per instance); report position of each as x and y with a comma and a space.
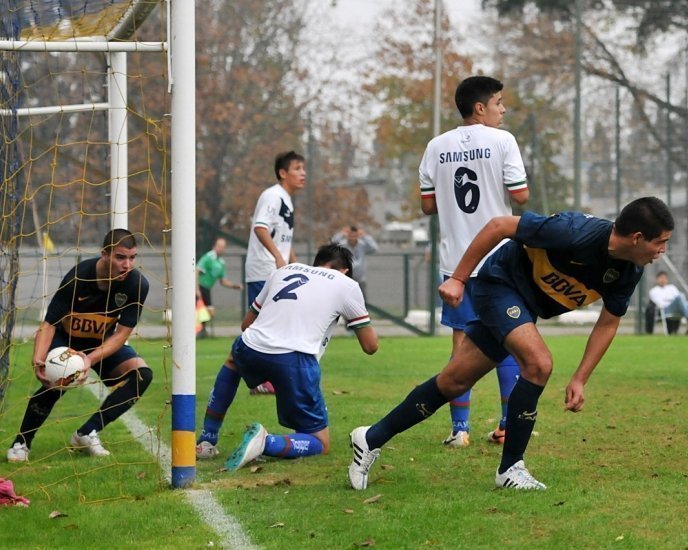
560, 263
85, 315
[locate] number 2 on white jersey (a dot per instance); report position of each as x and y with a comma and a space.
286, 293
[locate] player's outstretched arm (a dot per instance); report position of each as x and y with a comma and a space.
228, 283
598, 342
367, 338
494, 231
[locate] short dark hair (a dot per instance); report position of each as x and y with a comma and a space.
661, 273
337, 256
118, 237
475, 89
284, 160
649, 215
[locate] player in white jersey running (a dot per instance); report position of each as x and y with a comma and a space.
272, 229
468, 176
285, 333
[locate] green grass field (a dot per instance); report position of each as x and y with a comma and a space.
617, 472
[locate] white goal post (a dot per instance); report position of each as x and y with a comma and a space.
181, 55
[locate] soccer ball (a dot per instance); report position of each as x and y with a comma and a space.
63, 367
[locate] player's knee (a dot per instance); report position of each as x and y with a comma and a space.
325, 447
144, 377
323, 438
538, 369
452, 383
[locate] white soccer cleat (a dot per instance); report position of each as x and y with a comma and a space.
266, 388
496, 437
518, 477
458, 439
250, 448
205, 450
364, 457
89, 444
18, 453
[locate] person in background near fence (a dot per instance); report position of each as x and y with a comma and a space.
285, 333
272, 230
360, 244
668, 298
94, 312
467, 177
551, 265
209, 270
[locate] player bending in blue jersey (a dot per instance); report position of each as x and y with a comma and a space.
284, 334
551, 265
94, 311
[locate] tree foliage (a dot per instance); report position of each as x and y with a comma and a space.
253, 101
246, 113
651, 17
620, 44
400, 77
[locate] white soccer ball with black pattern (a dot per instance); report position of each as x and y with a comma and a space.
63, 368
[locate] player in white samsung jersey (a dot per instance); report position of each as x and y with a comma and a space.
272, 230
468, 176
272, 225
285, 333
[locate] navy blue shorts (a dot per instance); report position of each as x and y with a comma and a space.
500, 310
105, 367
205, 295
253, 289
296, 379
458, 317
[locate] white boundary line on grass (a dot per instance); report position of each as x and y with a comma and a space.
202, 500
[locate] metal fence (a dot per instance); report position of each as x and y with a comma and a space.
397, 284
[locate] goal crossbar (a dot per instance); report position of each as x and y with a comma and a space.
32, 111
80, 46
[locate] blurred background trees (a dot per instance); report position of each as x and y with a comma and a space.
634, 47
275, 75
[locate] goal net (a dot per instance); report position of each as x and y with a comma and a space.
85, 147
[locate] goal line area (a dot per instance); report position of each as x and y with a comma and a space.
85, 107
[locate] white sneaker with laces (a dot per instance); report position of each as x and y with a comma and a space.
266, 388
250, 448
518, 477
18, 453
458, 439
205, 449
89, 444
364, 457
496, 437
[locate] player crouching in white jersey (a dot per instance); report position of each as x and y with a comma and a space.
284, 335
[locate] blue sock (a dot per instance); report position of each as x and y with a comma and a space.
420, 404
508, 372
221, 397
520, 420
460, 410
292, 446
